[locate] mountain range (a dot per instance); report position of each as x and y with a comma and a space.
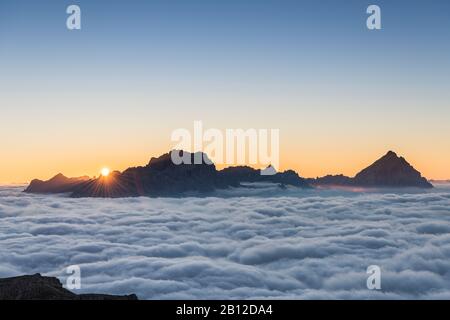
388, 171
161, 177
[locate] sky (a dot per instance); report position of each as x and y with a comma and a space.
111, 94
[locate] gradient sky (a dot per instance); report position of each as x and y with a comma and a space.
112, 93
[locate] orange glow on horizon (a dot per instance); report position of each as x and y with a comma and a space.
308, 163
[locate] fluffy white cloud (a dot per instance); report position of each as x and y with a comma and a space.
289, 244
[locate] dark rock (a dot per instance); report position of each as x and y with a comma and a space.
388, 171
57, 184
234, 176
332, 180
37, 287
161, 177
391, 171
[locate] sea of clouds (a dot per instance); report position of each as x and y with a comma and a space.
291, 244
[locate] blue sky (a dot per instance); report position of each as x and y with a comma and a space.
139, 69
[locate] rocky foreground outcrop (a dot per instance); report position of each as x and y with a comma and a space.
37, 287
389, 171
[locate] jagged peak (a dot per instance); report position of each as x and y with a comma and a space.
269, 171
391, 153
391, 170
59, 175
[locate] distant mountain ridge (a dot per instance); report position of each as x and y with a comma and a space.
388, 171
161, 178
57, 184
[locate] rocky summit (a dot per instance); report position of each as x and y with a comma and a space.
389, 171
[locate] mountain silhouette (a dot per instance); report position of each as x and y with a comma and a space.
388, 171
332, 180
391, 171
161, 177
234, 176
57, 184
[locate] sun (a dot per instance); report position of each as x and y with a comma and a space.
105, 172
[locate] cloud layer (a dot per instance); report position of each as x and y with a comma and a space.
310, 244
